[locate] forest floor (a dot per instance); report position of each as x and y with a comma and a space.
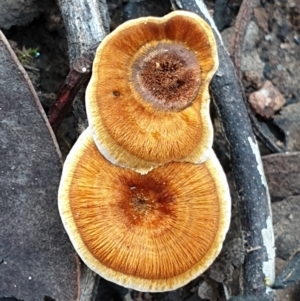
270, 52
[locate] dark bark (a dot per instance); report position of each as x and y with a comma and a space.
254, 201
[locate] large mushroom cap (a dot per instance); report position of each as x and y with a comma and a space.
148, 100
152, 232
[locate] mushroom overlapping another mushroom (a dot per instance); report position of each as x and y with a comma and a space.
152, 232
157, 218
148, 101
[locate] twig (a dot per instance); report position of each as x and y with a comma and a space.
290, 274
241, 24
76, 79
87, 23
263, 138
242, 21
254, 200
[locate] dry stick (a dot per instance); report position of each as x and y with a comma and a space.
86, 23
254, 200
77, 78
242, 21
236, 47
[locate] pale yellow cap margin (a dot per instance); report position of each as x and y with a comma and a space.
108, 147
159, 285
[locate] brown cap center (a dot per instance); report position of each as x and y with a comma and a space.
168, 76
146, 201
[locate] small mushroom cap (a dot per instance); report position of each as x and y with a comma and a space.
152, 232
148, 101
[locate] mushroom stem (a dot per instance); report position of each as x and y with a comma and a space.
254, 205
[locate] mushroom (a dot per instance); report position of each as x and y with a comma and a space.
152, 232
148, 101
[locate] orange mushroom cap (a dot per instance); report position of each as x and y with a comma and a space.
152, 232
148, 100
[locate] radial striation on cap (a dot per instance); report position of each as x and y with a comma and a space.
147, 100
152, 232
